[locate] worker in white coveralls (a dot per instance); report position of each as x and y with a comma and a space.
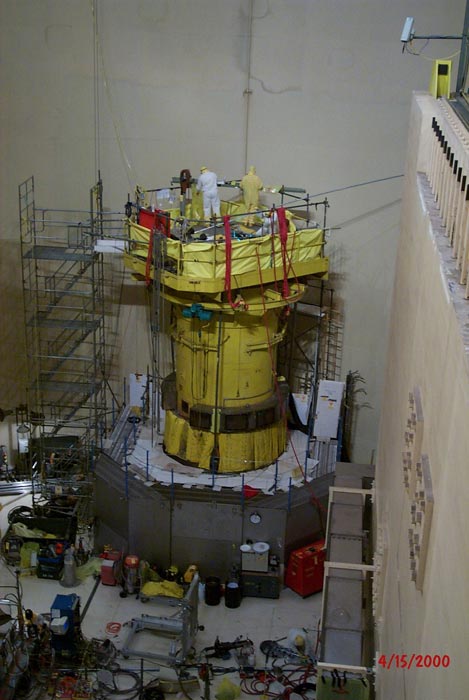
269, 223
207, 184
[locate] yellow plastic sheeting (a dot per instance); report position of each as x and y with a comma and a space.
199, 260
140, 237
25, 553
250, 255
173, 434
199, 446
244, 451
238, 452
187, 443
204, 260
165, 588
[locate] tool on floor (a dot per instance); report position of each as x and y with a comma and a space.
220, 650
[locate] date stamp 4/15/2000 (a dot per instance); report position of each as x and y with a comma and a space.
408, 661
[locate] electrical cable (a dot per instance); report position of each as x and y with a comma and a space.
429, 58
183, 690
112, 691
129, 170
419, 53
358, 184
97, 127
247, 92
260, 684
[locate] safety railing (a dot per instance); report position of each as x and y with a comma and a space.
448, 175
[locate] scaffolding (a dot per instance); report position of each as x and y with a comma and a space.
63, 289
312, 349
333, 341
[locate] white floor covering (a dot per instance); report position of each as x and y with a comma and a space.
151, 464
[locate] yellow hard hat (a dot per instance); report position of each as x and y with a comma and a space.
299, 642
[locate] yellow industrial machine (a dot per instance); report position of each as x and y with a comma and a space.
231, 283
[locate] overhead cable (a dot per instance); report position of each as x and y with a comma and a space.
358, 184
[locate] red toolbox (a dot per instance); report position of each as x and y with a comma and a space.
305, 570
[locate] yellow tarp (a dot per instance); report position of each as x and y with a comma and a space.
205, 260
166, 588
238, 451
244, 451
188, 443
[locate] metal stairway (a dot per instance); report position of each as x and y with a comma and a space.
63, 288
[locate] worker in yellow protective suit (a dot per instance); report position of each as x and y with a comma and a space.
251, 185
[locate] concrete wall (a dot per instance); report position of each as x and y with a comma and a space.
428, 349
330, 94
206, 527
